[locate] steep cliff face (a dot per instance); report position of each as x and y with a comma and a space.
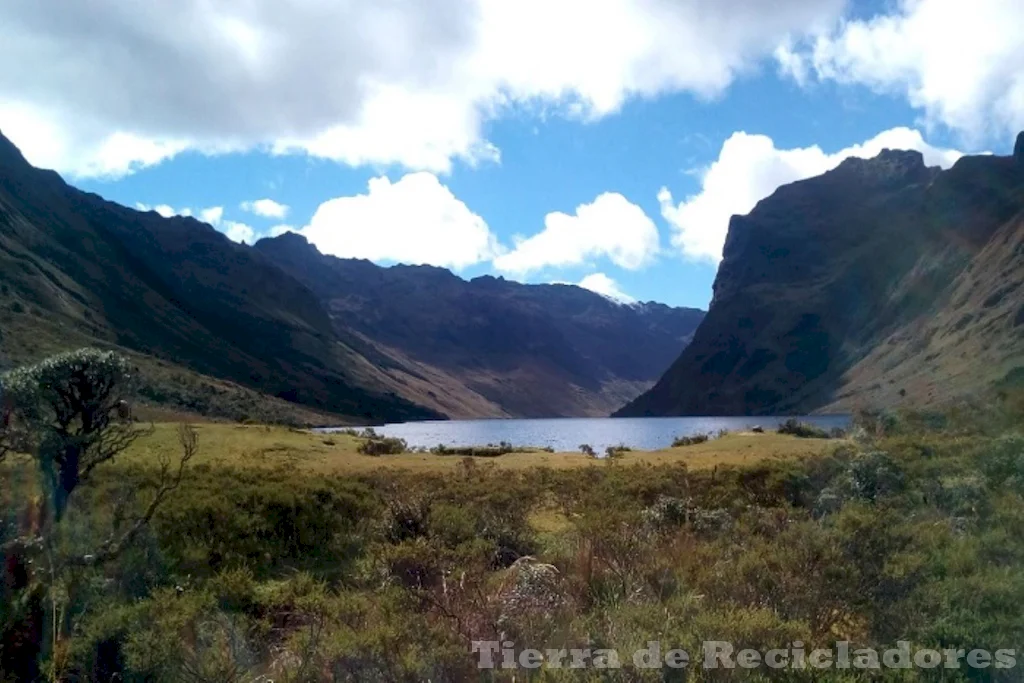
880, 282
490, 347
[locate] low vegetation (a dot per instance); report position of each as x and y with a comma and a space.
617, 451
269, 563
489, 451
383, 446
803, 430
692, 440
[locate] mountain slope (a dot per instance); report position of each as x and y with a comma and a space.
878, 283
490, 347
75, 269
217, 325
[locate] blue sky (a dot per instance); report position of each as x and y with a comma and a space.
553, 155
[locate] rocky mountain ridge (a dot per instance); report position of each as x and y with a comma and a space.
880, 283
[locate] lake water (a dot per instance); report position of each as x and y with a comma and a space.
566, 434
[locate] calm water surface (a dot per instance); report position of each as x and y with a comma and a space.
566, 434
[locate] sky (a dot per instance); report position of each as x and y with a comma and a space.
598, 142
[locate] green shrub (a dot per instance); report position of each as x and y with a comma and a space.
383, 446
617, 451
794, 427
693, 440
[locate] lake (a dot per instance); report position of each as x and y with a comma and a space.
566, 434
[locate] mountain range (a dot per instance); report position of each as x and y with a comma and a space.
277, 328
883, 282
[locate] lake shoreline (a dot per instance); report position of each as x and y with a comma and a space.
570, 434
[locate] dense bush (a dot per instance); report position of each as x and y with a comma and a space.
693, 440
383, 446
794, 427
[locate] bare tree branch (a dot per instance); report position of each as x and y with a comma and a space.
111, 443
170, 479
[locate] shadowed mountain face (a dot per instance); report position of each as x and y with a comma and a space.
212, 317
75, 269
490, 347
879, 283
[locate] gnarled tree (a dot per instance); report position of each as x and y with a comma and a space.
69, 413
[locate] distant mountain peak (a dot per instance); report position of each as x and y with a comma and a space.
291, 239
903, 165
1018, 149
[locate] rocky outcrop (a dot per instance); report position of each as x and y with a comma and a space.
880, 282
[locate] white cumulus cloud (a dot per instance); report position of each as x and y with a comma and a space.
214, 215
611, 226
750, 168
414, 220
404, 82
265, 208
605, 286
237, 232
962, 63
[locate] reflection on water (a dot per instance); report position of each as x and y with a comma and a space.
566, 434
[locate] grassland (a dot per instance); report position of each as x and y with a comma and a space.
336, 454
288, 555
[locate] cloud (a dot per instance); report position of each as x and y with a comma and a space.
750, 168
265, 208
605, 286
415, 220
403, 82
962, 63
214, 215
611, 226
238, 232
278, 230
164, 210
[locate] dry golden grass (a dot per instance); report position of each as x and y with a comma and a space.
274, 447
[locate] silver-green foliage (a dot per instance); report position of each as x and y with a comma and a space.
69, 412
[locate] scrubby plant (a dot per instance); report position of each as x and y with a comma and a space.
794, 427
692, 440
588, 450
617, 451
383, 446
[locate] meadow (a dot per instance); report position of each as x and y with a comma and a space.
289, 556
266, 446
